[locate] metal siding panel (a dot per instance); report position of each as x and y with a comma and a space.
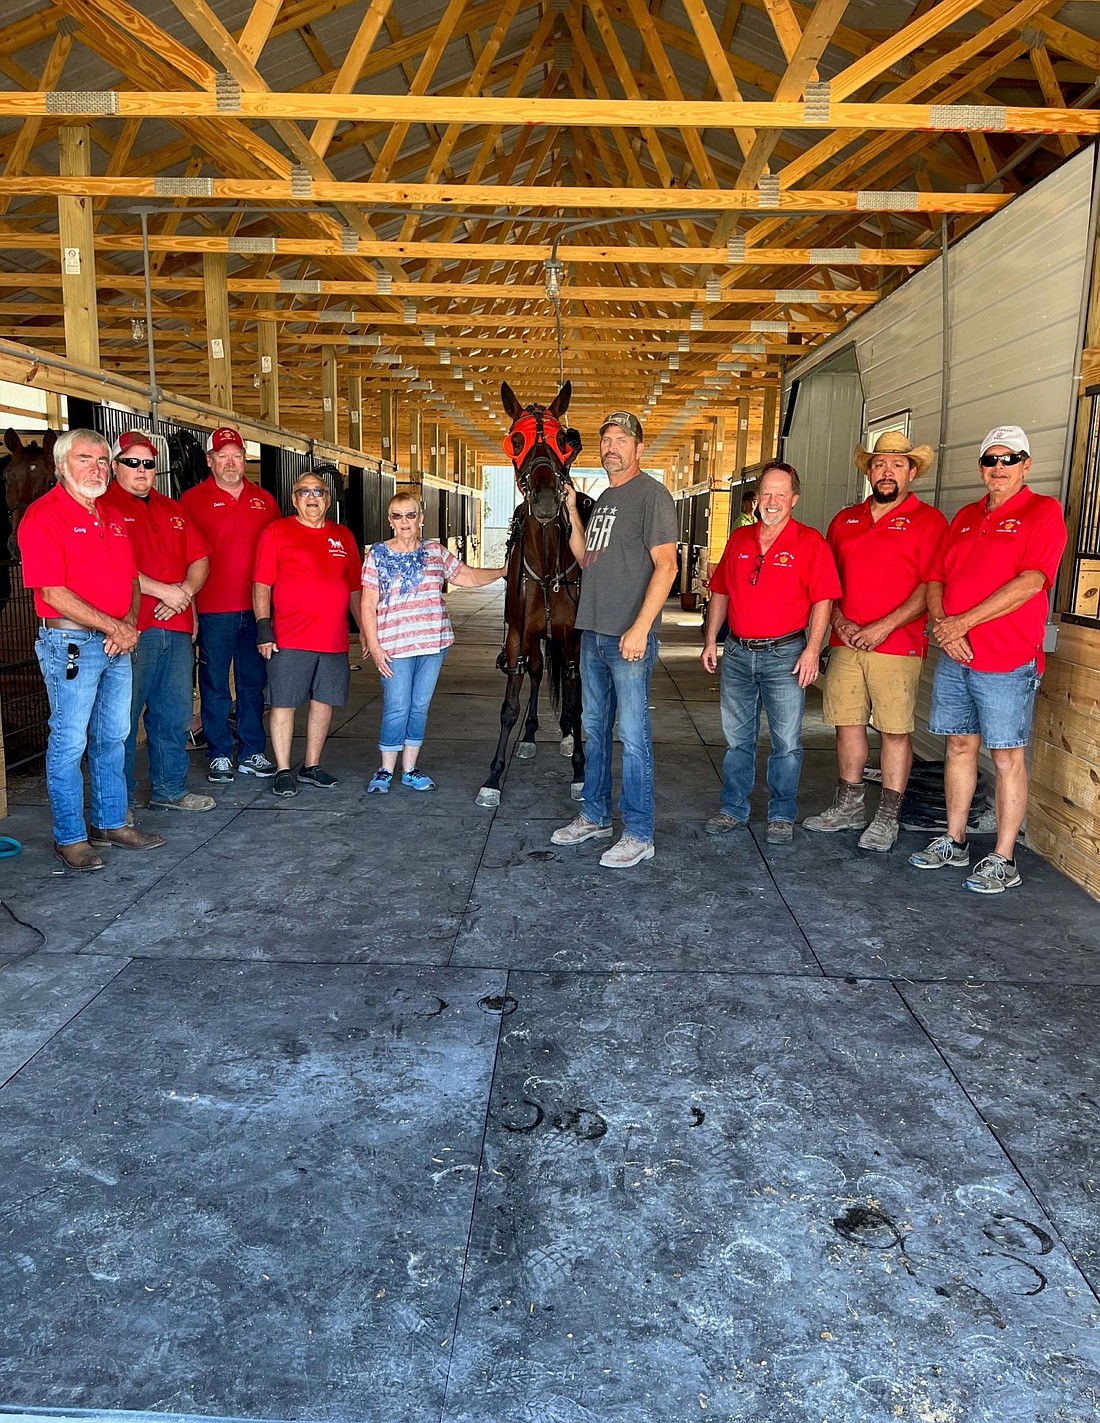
828, 411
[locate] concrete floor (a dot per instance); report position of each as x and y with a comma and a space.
385, 1109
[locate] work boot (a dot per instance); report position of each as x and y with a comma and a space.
124, 838
847, 811
882, 832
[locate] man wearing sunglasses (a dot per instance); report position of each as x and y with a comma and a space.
172, 567
307, 578
80, 563
776, 582
988, 596
231, 513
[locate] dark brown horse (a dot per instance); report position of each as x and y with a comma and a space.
28, 472
540, 608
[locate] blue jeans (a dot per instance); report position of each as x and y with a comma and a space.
751, 679
610, 685
89, 710
998, 706
225, 640
406, 697
163, 663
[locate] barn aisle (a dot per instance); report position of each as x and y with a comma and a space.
349, 1109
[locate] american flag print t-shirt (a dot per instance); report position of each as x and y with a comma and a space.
412, 616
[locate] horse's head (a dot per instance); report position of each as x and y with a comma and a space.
27, 474
541, 450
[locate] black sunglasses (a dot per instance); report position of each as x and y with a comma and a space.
757, 569
131, 462
72, 654
992, 461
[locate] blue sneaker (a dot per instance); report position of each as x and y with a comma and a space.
380, 782
417, 780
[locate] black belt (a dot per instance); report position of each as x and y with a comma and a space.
755, 644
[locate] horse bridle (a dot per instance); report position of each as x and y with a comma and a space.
534, 427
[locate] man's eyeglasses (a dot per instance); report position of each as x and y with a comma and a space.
311, 494
132, 463
992, 461
757, 569
72, 656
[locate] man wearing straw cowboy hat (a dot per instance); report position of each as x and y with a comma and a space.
884, 550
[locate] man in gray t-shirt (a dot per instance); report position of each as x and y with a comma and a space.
628, 555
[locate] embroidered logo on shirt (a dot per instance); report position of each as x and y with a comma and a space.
336, 548
118, 531
784, 560
176, 522
900, 521
1010, 526
256, 504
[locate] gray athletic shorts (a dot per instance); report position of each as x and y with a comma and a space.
294, 677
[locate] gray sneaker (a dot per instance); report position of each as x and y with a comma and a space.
723, 824
221, 771
626, 852
779, 832
257, 765
580, 830
993, 875
881, 834
940, 854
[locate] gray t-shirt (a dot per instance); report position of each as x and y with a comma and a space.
626, 523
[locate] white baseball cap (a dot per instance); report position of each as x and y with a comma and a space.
1011, 436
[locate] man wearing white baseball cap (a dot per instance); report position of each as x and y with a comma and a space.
988, 599
231, 513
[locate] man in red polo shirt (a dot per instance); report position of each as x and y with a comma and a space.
884, 550
311, 569
172, 567
78, 560
776, 582
230, 513
988, 596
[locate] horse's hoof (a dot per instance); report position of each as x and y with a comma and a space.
525, 751
488, 798
576, 791
565, 746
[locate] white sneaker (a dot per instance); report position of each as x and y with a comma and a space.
579, 830
627, 852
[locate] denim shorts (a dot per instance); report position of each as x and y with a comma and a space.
997, 706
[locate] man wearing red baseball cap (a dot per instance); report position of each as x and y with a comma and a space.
231, 513
172, 567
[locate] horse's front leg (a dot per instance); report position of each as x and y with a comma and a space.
525, 751
489, 795
571, 715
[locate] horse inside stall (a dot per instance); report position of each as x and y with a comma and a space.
543, 585
27, 472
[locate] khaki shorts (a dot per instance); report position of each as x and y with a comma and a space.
859, 685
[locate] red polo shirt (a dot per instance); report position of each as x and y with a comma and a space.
65, 545
881, 563
795, 573
165, 542
311, 573
982, 551
231, 529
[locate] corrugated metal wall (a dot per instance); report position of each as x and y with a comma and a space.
1015, 288
820, 444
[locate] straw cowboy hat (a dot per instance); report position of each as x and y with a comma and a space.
894, 443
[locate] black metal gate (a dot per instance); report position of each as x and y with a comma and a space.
24, 705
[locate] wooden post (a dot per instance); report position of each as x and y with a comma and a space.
768, 444
53, 410
416, 447
741, 449
355, 412
387, 402
218, 357
77, 235
329, 413
267, 339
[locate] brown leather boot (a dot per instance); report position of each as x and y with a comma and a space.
80, 856
125, 838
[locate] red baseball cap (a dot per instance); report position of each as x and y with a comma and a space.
132, 439
223, 436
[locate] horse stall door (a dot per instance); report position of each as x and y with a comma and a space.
23, 701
